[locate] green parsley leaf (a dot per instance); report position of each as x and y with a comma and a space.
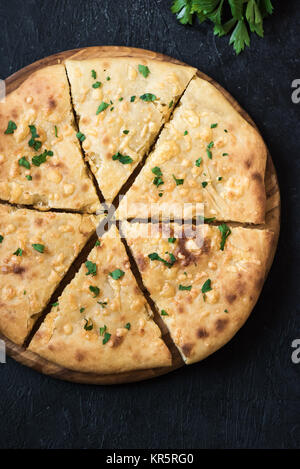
220, 178
107, 78
179, 182
132, 99
97, 84
155, 257
97, 243
55, 304
224, 154
24, 162
225, 232
121, 99
183, 11
164, 313
37, 160
1, 239
171, 103
185, 132
204, 183
88, 324
38, 247
94, 290
91, 267
157, 171
124, 159
126, 132
11, 127
148, 97
213, 126
206, 286
225, 310
182, 287
144, 70
28, 177
209, 153
171, 240
240, 37
55, 131
116, 274
102, 330
102, 303
18, 252
102, 107
128, 326
81, 310
107, 336
36, 144
226, 131
94, 74
81, 137
198, 162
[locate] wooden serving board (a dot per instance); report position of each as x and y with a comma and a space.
272, 217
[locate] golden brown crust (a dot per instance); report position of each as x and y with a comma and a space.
121, 87
29, 277
200, 323
220, 158
43, 101
134, 339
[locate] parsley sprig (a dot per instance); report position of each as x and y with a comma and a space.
238, 17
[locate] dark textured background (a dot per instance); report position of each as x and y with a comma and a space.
247, 394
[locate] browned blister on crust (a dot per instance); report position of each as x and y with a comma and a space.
28, 277
62, 181
207, 293
102, 324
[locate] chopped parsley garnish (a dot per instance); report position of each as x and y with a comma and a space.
157, 171
39, 247
164, 313
107, 336
102, 330
24, 162
220, 178
102, 303
171, 104
37, 160
179, 182
205, 219
157, 181
55, 131
128, 326
36, 144
204, 183
185, 132
88, 324
144, 70
1, 239
11, 127
81, 310
81, 137
121, 99
125, 132
224, 154
28, 177
94, 290
112, 108
102, 107
55, 304
148, 97
18, 252
24, 292
116, 274
171, 240
160, 194
226, 131
182, 287
206, 287
91, 267
97, 84
124, 159
107, 78
97, 243
209, 153
225, 232
94, 74
225, 310
132, 99
213, 126
198, 162
155, 257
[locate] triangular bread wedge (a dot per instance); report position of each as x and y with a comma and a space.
122, 104
40, 158
102, 323
203, 293
36, 250
207, 154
